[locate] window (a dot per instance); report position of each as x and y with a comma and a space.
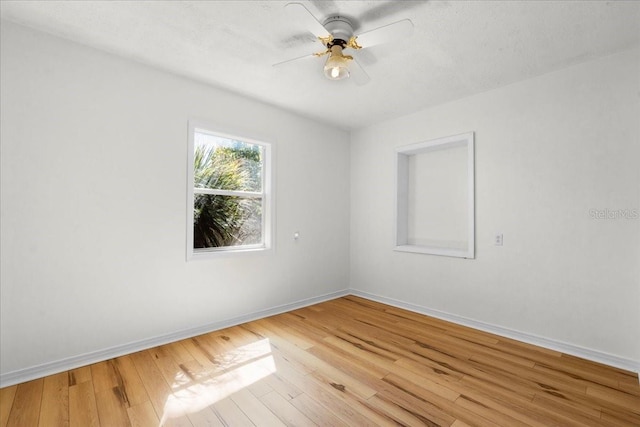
229, 184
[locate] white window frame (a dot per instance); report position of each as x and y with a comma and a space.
266, 194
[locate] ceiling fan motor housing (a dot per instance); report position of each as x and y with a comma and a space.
340, 28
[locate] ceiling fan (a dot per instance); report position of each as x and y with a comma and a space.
336, 34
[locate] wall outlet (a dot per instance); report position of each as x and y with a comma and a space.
498, 240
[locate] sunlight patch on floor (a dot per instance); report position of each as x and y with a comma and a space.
241, 368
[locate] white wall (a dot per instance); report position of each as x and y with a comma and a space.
548, 150
94, 204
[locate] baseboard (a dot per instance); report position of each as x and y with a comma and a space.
39, 371
574, 350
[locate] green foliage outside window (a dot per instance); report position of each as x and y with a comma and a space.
227, 220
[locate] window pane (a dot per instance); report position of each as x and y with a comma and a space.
226, 221
226, 164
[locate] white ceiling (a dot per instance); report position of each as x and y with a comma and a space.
458, 48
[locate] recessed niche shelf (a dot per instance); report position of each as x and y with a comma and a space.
435, 210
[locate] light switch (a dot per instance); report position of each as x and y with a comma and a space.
498, 239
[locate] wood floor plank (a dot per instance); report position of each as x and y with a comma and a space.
521, 409
316, 412
179, 352
193, 372
629, 386
366, 375
216, 345
625, 402
177, 421
539, 379
353, 348
593, 366
489, 413
576, 375
323, 321
346, 408
287, 333
157, 388
620, 418
434, 373
142, 415
283, 387
103, 376
572, 402
112, 408
488, 354
300, 323
274, 330
332, 374
526, 350
129, 383
315, 364
452, 330
492, 388
369, 344
79, 375
230, 414
7, 394
409, 412
286, 362
344, 362
371, 414
255, 409
205, 417
83, 411
442, 389
415, 387
175, 376
205, 352
427, 336
259, 388
285, 411
567, 415
54, 409
160, 351
519, 406
406, 411
25, 410
199, 354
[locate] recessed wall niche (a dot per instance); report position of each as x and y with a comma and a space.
435, 209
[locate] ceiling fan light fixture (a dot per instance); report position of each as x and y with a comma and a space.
336, 66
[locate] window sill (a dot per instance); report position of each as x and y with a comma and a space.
223, 253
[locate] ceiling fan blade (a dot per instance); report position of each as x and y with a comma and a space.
310, 55
360, 77
301, 14
384, 34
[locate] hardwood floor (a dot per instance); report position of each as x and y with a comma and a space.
346, 362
